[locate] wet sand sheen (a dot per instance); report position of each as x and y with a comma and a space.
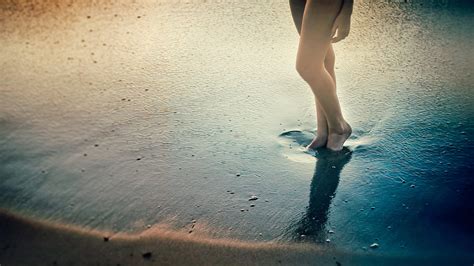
29, 242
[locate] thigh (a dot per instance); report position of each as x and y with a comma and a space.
316, 29
297, 10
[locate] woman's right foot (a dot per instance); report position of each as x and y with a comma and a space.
337, 138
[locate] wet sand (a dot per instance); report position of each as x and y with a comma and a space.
28, 242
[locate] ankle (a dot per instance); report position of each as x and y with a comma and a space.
340, 128
323, 132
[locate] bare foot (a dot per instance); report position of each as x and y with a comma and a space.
336, 139
319, 141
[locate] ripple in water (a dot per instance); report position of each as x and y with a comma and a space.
294, 142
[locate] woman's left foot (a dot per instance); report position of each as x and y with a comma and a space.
318, 142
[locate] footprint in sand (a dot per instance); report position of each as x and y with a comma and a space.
294, 144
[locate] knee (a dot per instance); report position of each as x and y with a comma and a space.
308, 70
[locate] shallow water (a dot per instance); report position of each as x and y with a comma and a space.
169, 113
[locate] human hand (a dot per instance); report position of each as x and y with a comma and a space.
341, 27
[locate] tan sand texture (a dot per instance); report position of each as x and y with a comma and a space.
27, 242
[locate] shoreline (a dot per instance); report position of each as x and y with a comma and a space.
24, 241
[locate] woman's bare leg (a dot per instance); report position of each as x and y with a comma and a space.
315, 40
297, 10
322, 131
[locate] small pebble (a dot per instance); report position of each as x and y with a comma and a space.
374, 245
147, 255
252, 205
253, 198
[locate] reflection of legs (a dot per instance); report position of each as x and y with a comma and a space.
322, 131
323, 188
314, 43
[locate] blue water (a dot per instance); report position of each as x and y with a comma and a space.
168, 113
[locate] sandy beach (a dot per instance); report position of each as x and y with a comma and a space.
176, 129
